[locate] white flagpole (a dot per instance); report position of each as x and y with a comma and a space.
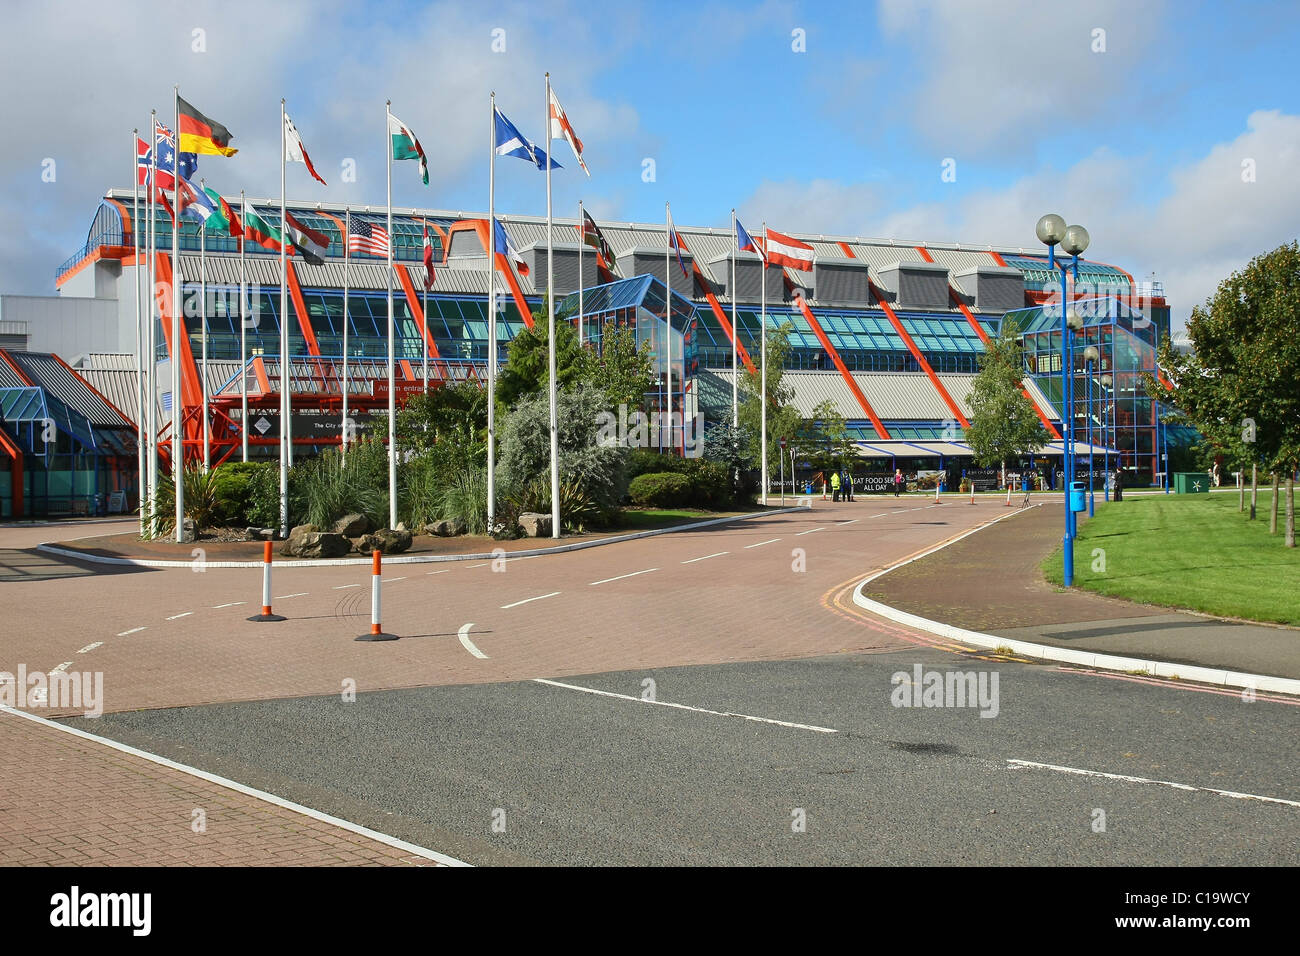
425, 307
492, 318
392, 391
285, 377
582, 243
243, 337
347, 265
762, 388
668, 321
151, 374
203, 333
178, 447
550, 324
141, 466
735, 329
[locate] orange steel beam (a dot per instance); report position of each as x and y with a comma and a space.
191, 389
480, 228
844, 371
16, 471
716, 306
417, 310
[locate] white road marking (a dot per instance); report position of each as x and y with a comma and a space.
506, 607
809, 531
282, 597
850, 521
443, 571
177, 617
62, 667
1164, 783
134, 630
271, 798
706, 557
344, 587
463, 634
698, 710
881, 515
483, 565
90, 647
761, 543
391, 580
218, 607
592, 584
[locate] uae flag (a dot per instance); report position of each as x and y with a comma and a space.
224, 218
428, 260
258, 230
199, 134
791, 253
406, 146
309, 242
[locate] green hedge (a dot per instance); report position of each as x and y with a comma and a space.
660, 490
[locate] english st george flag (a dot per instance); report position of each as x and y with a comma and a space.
295, 152
562, 129
199, 134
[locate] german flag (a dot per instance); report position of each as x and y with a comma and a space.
202, 135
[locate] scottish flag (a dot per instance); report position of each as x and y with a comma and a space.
511, 142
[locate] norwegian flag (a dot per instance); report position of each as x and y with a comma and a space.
562, 129
428, 260
165, 143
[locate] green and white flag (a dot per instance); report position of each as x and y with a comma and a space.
406, 146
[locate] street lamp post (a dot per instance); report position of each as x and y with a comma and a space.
1106, 379
1051, 230
1090, 357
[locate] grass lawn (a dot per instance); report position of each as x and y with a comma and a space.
645, 519
1190, 551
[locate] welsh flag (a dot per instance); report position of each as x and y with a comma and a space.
406, 146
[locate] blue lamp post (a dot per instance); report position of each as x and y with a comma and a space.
1051, 230
1090, 357
1106, 379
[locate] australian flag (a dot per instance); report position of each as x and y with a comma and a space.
166, 145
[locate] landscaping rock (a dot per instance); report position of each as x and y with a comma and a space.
323, 544
535, 525
260, 534
446, 528
188, 535
385, 540
293, 545
353, 526
401, 526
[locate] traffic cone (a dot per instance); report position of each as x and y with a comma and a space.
377, 632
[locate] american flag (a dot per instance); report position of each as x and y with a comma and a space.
367, 237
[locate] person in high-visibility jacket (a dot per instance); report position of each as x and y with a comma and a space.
835, 485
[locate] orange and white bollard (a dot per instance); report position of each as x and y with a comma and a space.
266, 614
1008, 494
376, 629
972, 492
936, 493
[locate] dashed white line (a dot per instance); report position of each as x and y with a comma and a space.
62, 667
800, 534
620, 577
761, 543
506, 607
483, 565
443, 571
463, 634
134, 630
218, 607
392, 580
698, 710
344, 587
706, 557
1163, 783
90, 647
283, 597
177, 617
850, 521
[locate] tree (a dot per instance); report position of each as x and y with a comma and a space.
825, 438
783, 419
527, 360
456, 412
1003, 423
621, 369
1240, 385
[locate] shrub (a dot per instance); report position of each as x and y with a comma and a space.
234, 485
710, 483
200, 501
325, 488
648, 461
263, 509
465, 497
660, 490
577, 509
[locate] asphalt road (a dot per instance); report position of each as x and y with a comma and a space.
580, 778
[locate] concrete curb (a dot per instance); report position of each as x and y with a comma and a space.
411, 558
1048, 652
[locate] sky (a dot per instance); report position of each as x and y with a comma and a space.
1169, 129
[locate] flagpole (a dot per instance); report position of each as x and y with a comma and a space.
139, 330
178, 447
668, 320
285, 379
203, 332
735, 329
492, 318
347, 266
151, 377
243, 335
550, 325
425, 308
762, 388
582, 242
392, 393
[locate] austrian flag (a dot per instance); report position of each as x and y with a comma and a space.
784, 251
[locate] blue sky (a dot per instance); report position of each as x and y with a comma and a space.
1142, 141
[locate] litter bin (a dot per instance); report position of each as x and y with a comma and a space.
1191, 482
1078, 498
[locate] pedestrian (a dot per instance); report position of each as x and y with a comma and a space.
848, 485
835, 486
1215, 474
1119, 484
898, 482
